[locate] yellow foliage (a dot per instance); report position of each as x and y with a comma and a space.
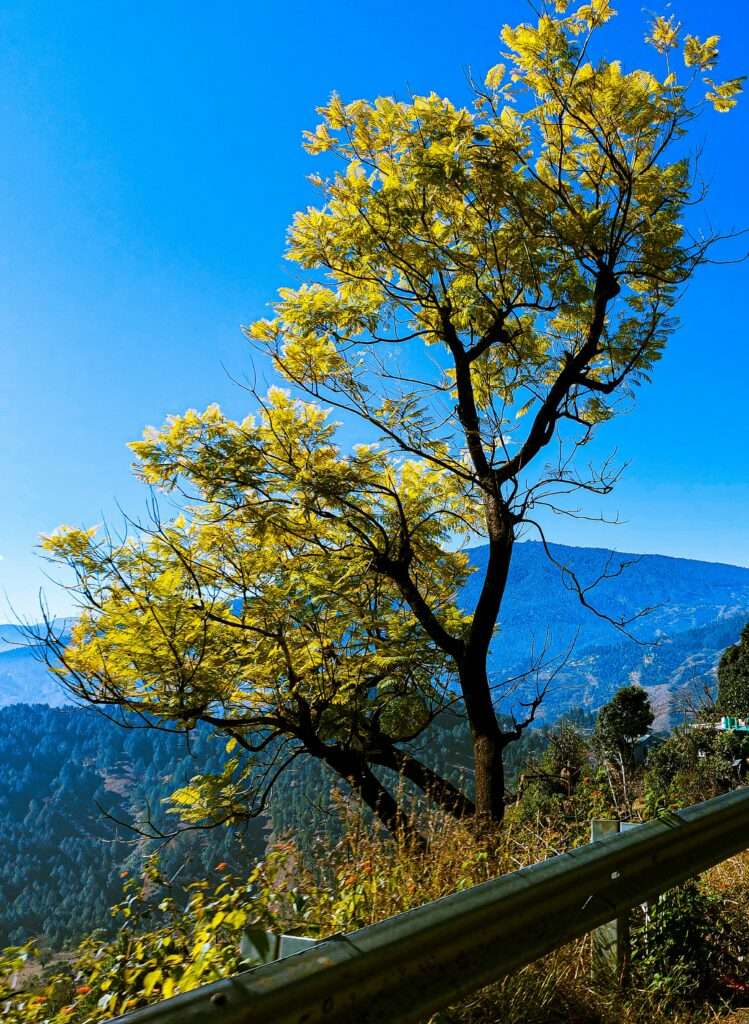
664, 33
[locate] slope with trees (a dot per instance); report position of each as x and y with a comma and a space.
733, 678
66, 777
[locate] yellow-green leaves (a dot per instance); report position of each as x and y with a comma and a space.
70, 542
215, 799
702, 55
495, 76
319, 141
664, 33
594, 14
724, 95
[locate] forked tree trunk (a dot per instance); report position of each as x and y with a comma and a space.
377, 797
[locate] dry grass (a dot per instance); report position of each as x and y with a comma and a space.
365, 878
730, 876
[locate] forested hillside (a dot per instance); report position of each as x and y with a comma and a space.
61, 859
61, 769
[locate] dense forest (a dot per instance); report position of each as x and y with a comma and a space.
68, 775
62, 772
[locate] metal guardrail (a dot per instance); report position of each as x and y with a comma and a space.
408, 967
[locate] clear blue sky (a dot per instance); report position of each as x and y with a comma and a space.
150, 162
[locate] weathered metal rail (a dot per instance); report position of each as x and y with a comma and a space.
410, 966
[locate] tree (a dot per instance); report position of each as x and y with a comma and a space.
695, 763
621, 722
733, 678
565, 758
486, 286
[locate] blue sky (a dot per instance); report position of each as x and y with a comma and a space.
150, 162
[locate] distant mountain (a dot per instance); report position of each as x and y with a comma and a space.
684, 661
698, 609
24, 678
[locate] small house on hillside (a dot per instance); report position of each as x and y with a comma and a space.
728, 723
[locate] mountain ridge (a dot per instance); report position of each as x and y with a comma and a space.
697, 609
697, 606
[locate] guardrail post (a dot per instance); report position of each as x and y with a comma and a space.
611, 947
261, 947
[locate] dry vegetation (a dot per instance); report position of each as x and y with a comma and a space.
357, 876
364, 879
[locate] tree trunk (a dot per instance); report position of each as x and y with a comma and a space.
490, 781
488, 743
370, 790
447, 796
489, 776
